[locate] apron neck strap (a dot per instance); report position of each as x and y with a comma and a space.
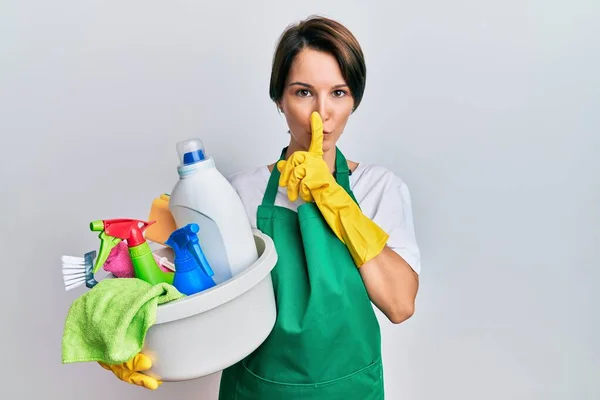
341, 174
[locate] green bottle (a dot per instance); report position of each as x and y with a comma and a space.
145, 266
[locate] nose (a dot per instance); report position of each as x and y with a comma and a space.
324, 108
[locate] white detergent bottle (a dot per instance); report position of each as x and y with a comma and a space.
203, 196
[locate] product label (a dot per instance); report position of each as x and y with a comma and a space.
140, 250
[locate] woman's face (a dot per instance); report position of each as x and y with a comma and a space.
315, 83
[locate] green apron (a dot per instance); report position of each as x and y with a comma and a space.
326, 342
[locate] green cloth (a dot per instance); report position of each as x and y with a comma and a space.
109, 322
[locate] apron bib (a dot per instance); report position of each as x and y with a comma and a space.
326, 342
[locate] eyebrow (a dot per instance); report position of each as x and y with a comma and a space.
341, 85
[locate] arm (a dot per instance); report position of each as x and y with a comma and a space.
390, 280
392, 284
392, 276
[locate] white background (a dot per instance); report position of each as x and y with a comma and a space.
488, 110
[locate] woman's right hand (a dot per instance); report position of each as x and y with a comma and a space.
307, 175
130, 371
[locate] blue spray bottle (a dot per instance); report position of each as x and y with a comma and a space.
192, 271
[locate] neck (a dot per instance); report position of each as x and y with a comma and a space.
328, 155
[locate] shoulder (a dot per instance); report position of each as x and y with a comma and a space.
250, 185
379, 190
384, 197
370, 177
255, 177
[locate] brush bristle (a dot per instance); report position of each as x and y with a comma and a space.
71, 267
74, 285
71, 279
72, 259
74, 275
75, 270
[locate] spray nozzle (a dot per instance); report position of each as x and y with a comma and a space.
112, 231
185, 244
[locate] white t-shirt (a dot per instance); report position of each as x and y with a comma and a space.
382, 196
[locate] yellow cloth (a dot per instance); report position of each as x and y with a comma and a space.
131, 371
306, 174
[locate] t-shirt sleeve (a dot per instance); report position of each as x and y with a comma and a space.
395, 216
247, 186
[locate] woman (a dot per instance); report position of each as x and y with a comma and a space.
343, 232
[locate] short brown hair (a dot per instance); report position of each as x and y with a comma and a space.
323, 34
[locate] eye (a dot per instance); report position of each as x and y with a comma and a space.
302, 93
339, 93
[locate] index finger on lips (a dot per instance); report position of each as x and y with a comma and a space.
316, 140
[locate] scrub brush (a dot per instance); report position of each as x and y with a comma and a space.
78, 270
164, 263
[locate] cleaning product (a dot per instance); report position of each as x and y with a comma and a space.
119, 262
203, 196
78, 271
144, 264
107, 243
165, 224
192, 271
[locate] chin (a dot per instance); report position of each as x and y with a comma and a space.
328, 146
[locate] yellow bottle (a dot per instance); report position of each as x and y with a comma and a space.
160, 231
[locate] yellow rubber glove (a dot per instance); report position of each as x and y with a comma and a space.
306, 174
130, 371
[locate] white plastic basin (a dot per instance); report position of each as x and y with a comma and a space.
207, 332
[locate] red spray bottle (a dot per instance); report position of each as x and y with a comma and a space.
144, 264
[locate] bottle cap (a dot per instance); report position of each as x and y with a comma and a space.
190, 151
96, 226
